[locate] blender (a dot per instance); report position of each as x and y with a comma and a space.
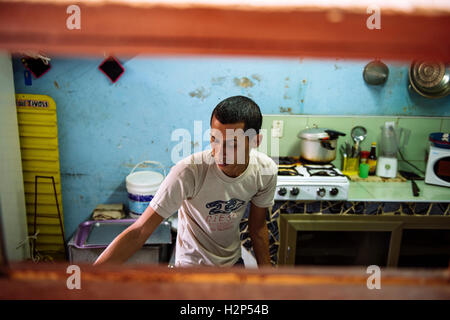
390, 143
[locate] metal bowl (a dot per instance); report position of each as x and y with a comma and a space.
430, 78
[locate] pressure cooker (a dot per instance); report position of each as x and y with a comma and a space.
318, 145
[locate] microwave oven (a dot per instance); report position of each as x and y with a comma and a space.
438, 167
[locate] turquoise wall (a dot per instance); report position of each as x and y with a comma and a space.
105, 128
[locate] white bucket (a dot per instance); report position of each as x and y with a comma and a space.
141, 187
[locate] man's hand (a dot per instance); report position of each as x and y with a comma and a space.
259, 234
131, 239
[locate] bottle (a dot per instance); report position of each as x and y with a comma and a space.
372, 160
364, 156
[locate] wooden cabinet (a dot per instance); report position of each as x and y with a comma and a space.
386, 241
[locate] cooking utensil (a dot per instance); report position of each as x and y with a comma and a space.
342, 149
358, 134
375, 73
344, 156
318, 144
430, 79
412, 176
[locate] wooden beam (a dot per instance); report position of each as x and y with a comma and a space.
135, 28
48, 281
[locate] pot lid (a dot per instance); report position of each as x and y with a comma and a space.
428, 74
313, 134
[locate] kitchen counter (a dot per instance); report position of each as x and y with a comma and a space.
397, 192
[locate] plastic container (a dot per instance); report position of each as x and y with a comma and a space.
351, 166
141, 187
364, 170
92, 237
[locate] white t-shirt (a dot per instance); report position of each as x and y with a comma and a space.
211, 204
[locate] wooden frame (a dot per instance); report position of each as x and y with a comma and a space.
302, 29
3, 259
290, 224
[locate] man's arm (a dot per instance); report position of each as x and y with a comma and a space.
259, 234
131, 239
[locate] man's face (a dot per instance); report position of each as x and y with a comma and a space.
230, 146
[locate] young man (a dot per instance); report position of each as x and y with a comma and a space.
211, 191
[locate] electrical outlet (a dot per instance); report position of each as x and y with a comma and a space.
388, 124
277, 128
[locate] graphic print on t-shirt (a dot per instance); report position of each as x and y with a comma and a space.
222, 213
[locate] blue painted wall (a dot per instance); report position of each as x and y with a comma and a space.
105, 128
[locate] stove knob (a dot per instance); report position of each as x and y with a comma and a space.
321, 192
334, 191
282, 191
295, 191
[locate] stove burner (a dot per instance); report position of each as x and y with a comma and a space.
323, 171
288, 171
284, 160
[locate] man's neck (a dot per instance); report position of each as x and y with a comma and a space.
239, 169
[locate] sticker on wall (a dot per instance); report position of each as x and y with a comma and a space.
112, 68
37, 66
27, 77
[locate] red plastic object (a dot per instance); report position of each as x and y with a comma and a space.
365, 154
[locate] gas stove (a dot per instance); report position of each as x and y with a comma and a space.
303, 181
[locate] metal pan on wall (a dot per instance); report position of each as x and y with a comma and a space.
429, 78
375, 73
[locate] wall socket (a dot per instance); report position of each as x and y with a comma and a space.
388, 124
277, 128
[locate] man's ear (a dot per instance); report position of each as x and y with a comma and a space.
255, 141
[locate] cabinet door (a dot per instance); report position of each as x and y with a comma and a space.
337, 242
425, 248
342, 248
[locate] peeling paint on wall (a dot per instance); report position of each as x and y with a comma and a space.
217, 81
286, 110
243, 82
200, 93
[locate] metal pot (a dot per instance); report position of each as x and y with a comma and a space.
318, 145
430, 78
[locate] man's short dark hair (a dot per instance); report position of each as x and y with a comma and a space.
239, 109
